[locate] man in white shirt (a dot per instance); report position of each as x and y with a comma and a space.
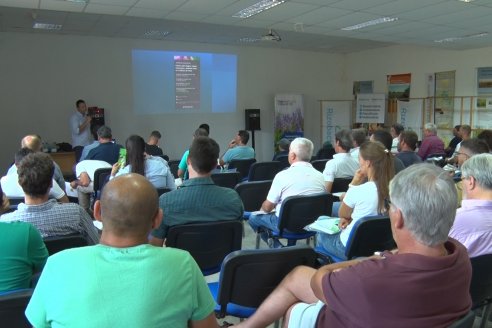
359, 137
84, 184
299, 179
12, 188
343, 165
80, 128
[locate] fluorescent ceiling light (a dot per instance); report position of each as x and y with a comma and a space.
466, 1
457, 38
257, 8
156, 34
370, 23
47, 26
78, 1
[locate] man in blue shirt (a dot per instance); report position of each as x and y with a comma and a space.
107, 150
238, 149
80, 128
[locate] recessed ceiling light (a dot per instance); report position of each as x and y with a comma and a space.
155, 34
466, 1
47, 26
370, 23
257, 8
457, 38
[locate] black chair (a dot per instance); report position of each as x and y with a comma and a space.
438, 159
161, 191
296, 213
101, 177
226, 179
341, 184
12, 307
57, 244
164, 157
208, 243
369, 234
260, 171
242, 166
247, 277
464, 322
481, 285
284, 161
14, 202
253, 194
173, 165
319, 164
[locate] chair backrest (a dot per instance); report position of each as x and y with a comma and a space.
319, 164
226, 179
260, 171
481, 283
253, 193
284, 161
173, 165
164, 157
465, 321
247, 277
59, 243
100, 178
161, 191
299, 211
242, 166
370, 234
12, 307
340, 184
208, 242
13, 203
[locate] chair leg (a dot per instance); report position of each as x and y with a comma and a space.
308, 241
244, 232
485, 315
277, 324
257, 240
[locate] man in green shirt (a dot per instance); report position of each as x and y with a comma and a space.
123, 282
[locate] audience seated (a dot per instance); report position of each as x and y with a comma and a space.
454, 142
283, 148
384, 137
107, 150
183, 164
486, 136
406, 148
94, 144
22, 252
343, 165
465, 133
34, 143
473, 223
152, 146
198, 199
123, 282
12, 188
154, 168
395, 131
326, 151
359, 136
431, 144
299, 179
237, 148
362, 198
48, 216
84, 171
425, 283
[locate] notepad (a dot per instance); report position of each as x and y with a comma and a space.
324, 224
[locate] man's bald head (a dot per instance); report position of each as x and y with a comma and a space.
32, 141
129, 204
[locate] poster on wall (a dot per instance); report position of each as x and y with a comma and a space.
409, 114
289, 117
399, 86
484, 81
370, 108
444, 99
335, 116
362, 87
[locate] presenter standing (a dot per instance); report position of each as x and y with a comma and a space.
80, 128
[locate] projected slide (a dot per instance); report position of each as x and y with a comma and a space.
183, 82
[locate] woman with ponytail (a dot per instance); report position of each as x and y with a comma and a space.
365, 196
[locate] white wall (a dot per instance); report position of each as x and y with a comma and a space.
43, 75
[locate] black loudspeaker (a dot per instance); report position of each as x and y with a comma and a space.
252, 119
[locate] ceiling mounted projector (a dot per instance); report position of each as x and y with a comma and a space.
271, 36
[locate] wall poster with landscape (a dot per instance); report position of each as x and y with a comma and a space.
444, 99
289, 116
398, 88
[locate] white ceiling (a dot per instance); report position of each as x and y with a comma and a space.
313, 25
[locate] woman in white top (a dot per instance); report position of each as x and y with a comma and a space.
155, 169
365, 196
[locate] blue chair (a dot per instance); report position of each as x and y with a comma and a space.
12, 307
296, 213
208, 242
247, 277
369, 234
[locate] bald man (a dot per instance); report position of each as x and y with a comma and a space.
123, 282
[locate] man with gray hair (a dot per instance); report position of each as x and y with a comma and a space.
424, 283
473, 223
299, 179
343, 165
431, 144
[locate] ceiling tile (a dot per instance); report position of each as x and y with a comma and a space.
349, 20
285, 11
204, 7
144, 12
127, 3
357, 5
105, 9
400, 6
62, 5
178, 15
167, 5
319, 15
20, 3
428, 12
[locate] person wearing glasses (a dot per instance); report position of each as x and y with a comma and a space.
365, 195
